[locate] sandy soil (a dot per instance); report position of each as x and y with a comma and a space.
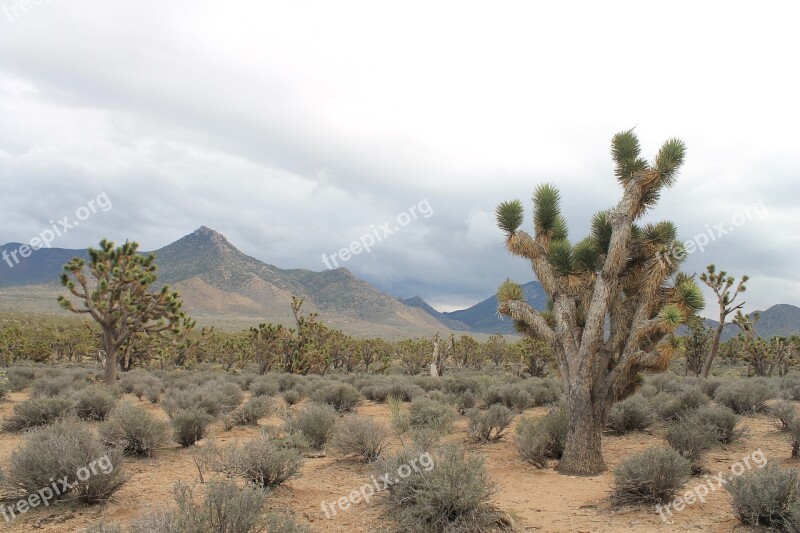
538, 500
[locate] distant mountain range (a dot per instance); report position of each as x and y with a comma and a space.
221, 285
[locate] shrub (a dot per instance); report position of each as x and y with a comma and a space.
763, 497
284, 522
190, 425
214, 398
685, 401
66, 449
709, 386
19, 377
341, 396
153, 393
360, 437
427, 383
264, 386
784, 414
135, 431
261, 462
426, 413
250, 413
315, 423
227, 508
405, 391
36, 412
794, 436
631, 414
489, 425
790, 387
102, 527
375, 393
511, 396
543, 439
93, 403
457, 385
542, 391
722, 420
50, 386
691, 439
465, 401
652, 477
451, 492
745, 395
292, 397
138, 390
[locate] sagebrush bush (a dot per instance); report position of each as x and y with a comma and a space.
710, 385
453, 495
68, 449
427, 413
35, 412
376, 393
190, 425
464, 401
631, 414
264, 386
51, 386
511, 396
315, 423
292, 397
17, 378
542, 439
790, 387
674, 406
226, 508
784, 414
214, 397
745, 395
261, 461
251, 411
459, 384
722, 420
653, 476
542, 391
153, 393
764, 496
93, 403
341, 396
692, 439
135, 431
489, 425
284, 522
405, 390
360, 437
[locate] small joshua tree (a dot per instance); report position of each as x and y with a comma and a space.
721, 284
614, 277
118, 298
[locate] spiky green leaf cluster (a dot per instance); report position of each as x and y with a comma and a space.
509, 216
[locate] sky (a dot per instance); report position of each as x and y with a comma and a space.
298, 128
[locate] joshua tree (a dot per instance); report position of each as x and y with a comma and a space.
614, 278
118, 298
441, 352
696, 345
496, 350
721, 284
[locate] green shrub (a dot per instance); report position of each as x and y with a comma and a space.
405, 391
375, 393
631, 414
315, 423
93, 403
292, 397
652, 477
261, 461
66, 449
252, 410
226, 508
459, 384
511, 396
264, 386
542, 439
190, 425
784, 414
51, 386
542, 391
341, 396
444, 491
489, 425
426, 413
745, 395
763, 497
135, 431
214, 398
36, 412
465, 401
677, 405
692, 439
360, 437
722, 420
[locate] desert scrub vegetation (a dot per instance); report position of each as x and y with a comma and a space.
653, 476
634, 413
745, 395
135, 431
450, 493
675, 405
489, 425
510, 396
722, 420
766, 497
35, 412
190, 425
249, 413
784, 414
537, 441
65, 449
93, 403
214, 397
361, 438
341, 396
261, 461
314, 424
691, 438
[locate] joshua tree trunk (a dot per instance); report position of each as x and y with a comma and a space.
110, 370
714, 346
582, 451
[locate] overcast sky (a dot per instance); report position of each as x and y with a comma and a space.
295, 128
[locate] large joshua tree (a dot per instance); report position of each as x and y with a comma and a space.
614, 301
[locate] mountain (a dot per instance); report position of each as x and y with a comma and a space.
483, 317
221, 285
781, 320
